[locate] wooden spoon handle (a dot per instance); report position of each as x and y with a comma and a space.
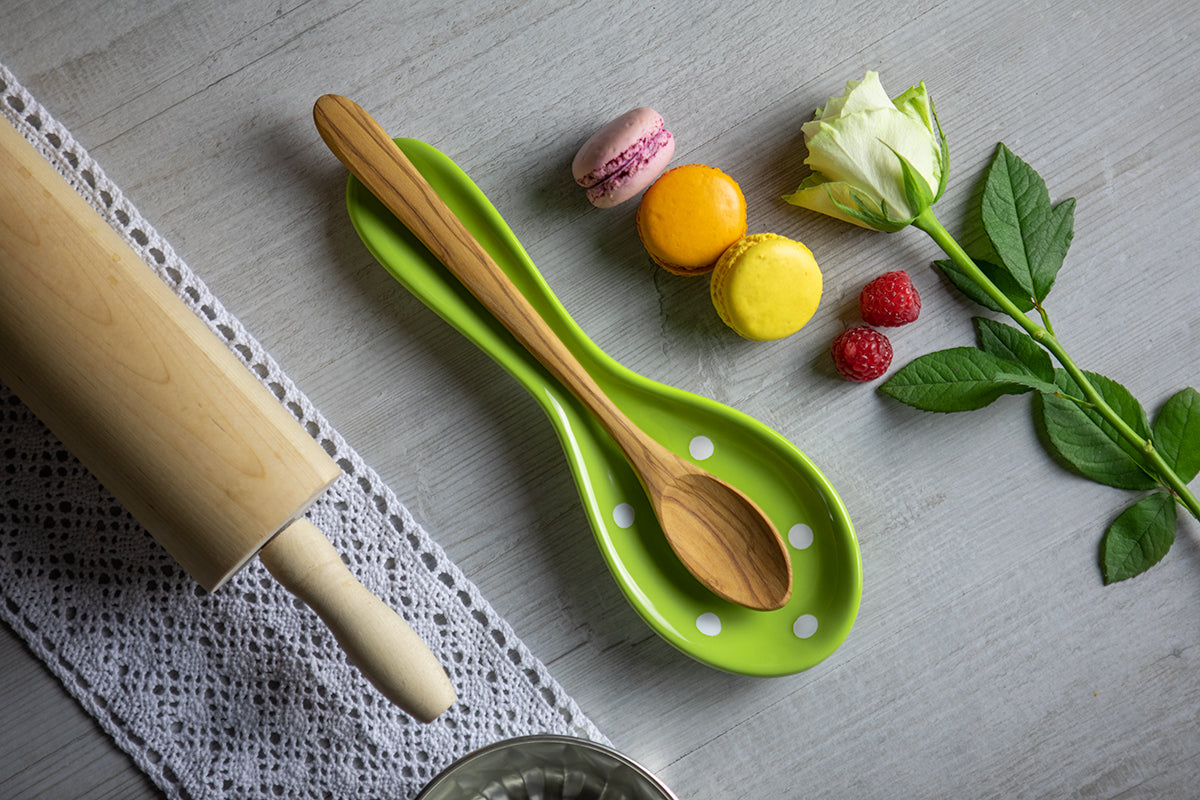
373, 157
381, 644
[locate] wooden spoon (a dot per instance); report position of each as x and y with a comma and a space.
720, 534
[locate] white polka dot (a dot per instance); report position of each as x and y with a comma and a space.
701, 448
805, 626
623, 515
708, 623
800, 536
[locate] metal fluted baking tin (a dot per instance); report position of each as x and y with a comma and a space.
546, 768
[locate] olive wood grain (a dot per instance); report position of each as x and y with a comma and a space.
719, 534
175, 427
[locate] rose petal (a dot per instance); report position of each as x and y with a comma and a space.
855, 150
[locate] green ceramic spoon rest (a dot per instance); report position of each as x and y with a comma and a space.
827, 571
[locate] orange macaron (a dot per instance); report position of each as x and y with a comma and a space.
689, 216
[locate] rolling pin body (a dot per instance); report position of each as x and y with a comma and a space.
136, 385
166, 417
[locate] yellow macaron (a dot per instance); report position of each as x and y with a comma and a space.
766, 286
689, 216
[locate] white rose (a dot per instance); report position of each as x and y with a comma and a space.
875, 162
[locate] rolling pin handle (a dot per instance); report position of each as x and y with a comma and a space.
378, 641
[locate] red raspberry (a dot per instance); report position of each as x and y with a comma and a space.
889, 300
861, 353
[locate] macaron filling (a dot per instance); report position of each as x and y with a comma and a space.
650, 153
623, 157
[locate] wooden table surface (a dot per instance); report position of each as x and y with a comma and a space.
988, 660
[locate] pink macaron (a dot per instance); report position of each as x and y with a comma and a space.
623, 157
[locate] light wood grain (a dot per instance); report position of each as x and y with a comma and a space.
987, 660
182, 434
133, 383
377, 640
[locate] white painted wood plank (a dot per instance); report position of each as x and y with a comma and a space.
987, 659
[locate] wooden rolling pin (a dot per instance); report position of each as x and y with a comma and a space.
167, 418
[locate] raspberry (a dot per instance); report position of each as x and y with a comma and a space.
861, 353
889, 300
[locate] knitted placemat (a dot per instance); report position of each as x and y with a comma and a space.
242, 692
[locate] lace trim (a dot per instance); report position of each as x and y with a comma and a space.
241, 693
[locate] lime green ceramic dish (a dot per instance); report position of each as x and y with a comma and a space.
827, 583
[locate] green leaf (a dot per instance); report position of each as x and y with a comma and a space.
864, 214
1121, 401
997, 275
1138, 538
1007, 342
1087, 444
1030, 236
1026, 380
944, 149
1177, 433
917, 190
958, 379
